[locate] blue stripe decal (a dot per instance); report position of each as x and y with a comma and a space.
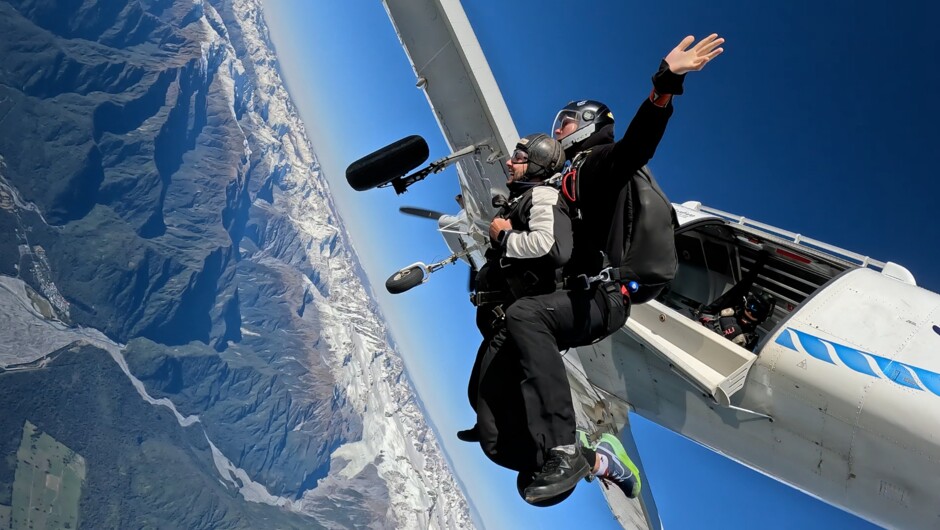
854, 359
814, 346
929, 379
899, 373
884, 364
785, 339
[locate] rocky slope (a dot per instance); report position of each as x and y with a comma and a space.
157, 185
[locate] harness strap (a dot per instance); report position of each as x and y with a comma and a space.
569, 182
607, 275
569, 186
489, 297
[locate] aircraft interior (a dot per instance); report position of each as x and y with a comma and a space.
720, 263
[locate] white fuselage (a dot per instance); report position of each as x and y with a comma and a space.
851, 379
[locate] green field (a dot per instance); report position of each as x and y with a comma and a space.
5, 517
48, 482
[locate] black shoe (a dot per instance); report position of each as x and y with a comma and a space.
560, 473
469, 435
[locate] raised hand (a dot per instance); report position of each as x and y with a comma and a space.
682, 60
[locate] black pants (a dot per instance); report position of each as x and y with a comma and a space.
523, 399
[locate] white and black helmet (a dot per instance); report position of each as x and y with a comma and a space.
590, 117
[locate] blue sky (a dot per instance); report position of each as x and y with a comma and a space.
819, 118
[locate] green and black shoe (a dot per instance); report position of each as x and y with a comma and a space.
616, 465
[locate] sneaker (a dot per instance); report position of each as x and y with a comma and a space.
558, 475
583, 440
619, 468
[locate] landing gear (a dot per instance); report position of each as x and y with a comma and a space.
404, 280
387, 164
417, 273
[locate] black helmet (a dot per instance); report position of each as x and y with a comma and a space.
591, 116
544, 155
761, 305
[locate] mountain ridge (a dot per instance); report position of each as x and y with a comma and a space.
176, 205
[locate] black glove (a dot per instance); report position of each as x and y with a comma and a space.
666, 82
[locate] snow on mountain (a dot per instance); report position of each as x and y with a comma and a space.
396, 438
179, 221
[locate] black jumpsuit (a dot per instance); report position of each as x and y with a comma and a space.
517, 434
528, 262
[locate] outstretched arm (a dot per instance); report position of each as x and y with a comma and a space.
647, 128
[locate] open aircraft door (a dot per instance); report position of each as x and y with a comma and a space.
707, 360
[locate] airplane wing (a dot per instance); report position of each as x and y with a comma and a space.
462, 92
600, 412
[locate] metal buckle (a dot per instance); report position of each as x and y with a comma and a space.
603, 276
580, 282
500, 316
584, 282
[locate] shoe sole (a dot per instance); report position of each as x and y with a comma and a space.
533, 495
624, 459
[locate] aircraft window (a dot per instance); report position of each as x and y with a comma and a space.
718, 258
796, 290
707, 270
803, 284
690, 251
801, 271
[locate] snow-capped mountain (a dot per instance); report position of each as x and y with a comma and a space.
160, 202
395, 437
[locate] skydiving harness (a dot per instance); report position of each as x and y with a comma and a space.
570, 189
648, 261
518, 285
567, 182
479, 298
608, 277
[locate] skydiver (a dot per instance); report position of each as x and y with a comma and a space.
531, 239
530, 235
739, 323
575, 316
